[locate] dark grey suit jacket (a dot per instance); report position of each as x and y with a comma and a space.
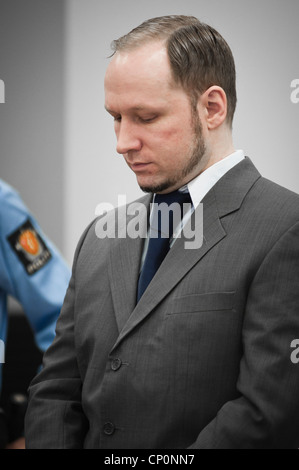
203, 360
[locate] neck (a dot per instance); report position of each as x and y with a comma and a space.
220, 146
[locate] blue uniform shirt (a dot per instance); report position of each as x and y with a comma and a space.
31, 270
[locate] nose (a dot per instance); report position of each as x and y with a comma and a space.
127, 138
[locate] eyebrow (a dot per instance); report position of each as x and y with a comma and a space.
134, 108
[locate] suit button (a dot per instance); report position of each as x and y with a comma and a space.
116, 364
108, 429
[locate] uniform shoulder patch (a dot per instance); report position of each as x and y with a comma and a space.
30, 248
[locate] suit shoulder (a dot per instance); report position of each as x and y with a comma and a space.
279, 193
276, 188
275, 201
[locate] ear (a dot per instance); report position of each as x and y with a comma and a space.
214, 102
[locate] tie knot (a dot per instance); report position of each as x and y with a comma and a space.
168, 211
175, 196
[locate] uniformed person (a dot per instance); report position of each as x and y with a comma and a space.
31, 270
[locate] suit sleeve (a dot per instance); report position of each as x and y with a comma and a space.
267, 413
54, 418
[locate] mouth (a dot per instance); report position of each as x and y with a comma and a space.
136, 167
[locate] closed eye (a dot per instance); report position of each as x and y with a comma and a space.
147, 120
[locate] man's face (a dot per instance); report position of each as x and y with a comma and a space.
158, 133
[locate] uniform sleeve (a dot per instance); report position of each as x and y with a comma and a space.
31, 269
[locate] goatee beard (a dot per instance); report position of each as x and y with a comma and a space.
198, 153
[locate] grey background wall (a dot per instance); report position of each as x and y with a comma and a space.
56, 142
31, 120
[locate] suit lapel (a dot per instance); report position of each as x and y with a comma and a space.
124, 263
226, 197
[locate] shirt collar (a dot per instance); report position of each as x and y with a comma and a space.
201, 185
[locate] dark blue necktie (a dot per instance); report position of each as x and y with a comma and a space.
161, 231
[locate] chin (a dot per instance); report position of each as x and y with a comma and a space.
158, 188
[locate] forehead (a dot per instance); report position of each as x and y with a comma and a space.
141, 73
147, 61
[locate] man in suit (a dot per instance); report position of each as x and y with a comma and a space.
190, 348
